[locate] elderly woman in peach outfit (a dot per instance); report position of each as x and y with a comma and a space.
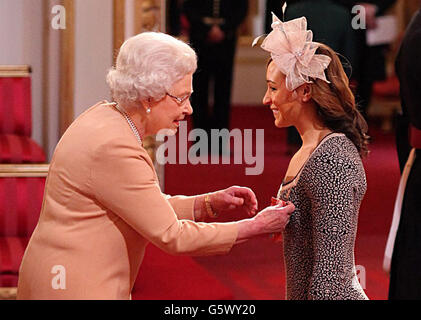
102, 202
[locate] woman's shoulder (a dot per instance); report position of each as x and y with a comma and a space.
336, 154
334, 165
103, 124
338, 146
100, 132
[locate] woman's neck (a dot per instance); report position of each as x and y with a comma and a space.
139, 120
312, 137
311, 129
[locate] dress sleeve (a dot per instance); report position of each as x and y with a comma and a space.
124, 182
334, 219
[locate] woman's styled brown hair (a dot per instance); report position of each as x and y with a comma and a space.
336, 105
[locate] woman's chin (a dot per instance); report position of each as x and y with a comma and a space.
168, 131
279, 123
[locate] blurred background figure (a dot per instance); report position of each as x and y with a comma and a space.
331, 25
405, 234
370, 60
213, 26
150, 15
174, 16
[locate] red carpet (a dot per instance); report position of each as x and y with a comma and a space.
166, 277
254, 270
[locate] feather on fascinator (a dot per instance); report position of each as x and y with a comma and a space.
291, 48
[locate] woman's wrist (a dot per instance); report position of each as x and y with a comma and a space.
199, 208
247, 229
203, 208
210, 212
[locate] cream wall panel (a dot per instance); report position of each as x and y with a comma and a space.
93, 51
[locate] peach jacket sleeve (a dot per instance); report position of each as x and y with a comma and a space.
124, 181
182, 205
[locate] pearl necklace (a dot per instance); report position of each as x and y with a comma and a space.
130, 122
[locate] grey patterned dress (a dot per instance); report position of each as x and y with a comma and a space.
319, 238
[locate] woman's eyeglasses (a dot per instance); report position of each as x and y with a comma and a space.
180, 100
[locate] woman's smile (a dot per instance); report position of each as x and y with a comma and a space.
177, 121
275, 112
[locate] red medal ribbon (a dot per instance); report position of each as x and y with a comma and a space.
415, 137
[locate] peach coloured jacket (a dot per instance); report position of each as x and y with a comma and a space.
102, 206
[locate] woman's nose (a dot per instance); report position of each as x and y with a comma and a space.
266, 99
188, 108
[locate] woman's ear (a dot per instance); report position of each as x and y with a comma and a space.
305, 92
146, 104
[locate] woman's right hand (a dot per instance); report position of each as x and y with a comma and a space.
272, 219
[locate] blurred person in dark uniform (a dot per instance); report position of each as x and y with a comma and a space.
403, 249
173, 17
370, 64
213, 26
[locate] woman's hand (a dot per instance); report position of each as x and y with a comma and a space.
272, 219
234, 199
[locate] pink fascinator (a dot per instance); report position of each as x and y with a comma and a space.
291, 48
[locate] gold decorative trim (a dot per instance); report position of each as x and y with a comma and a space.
8, 293
147, 16
137, 16
14, 74
67, 70
45, 75
22, 68
15, 70
118, 25
24, 170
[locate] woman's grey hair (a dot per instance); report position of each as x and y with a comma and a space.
148, 65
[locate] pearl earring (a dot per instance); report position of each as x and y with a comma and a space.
148, 110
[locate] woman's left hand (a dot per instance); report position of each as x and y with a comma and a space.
232, 199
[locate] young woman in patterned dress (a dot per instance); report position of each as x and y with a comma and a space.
308, 88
